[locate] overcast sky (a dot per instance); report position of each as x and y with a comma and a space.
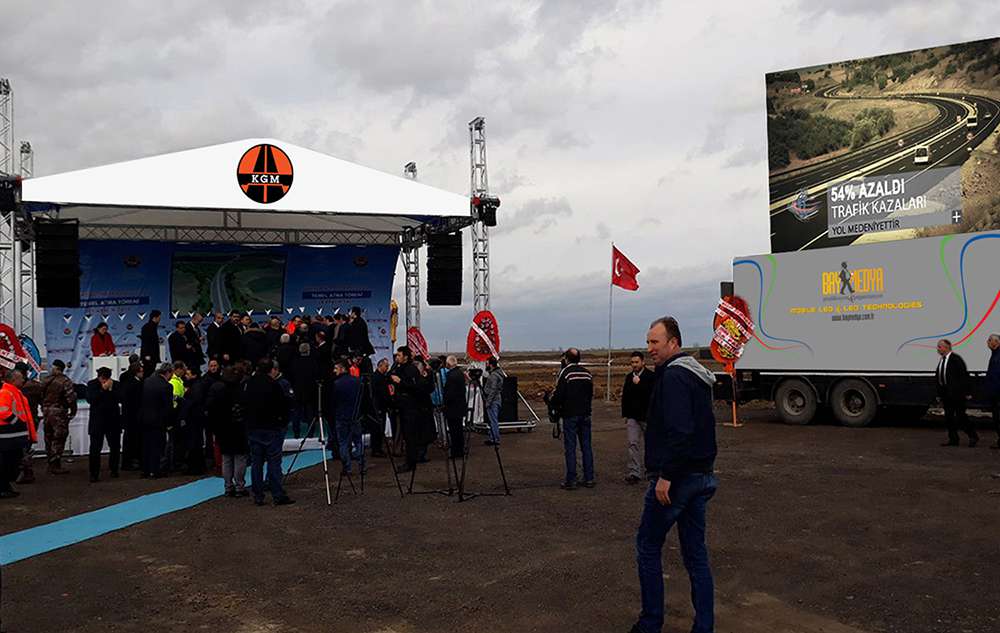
635, 121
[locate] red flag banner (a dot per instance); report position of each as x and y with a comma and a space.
417, 343
623, 271
484, 337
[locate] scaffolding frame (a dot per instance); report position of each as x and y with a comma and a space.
479, 186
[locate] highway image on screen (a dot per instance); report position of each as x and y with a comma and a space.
219, 282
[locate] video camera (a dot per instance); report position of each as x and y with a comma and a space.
475, 373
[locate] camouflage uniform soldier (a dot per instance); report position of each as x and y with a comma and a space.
58, 407
32, 390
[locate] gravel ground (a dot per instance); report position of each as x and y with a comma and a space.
814, 529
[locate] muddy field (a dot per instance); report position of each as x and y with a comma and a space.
814, 529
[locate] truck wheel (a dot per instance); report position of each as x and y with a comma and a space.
796, 401
853, 402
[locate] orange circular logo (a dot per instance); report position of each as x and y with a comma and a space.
265, 173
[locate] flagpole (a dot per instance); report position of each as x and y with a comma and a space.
611, 286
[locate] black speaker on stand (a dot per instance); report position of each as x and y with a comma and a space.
57, 263
444, 269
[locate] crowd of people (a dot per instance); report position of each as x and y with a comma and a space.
261, 379
230, 393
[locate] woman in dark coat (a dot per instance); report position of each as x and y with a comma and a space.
225, 416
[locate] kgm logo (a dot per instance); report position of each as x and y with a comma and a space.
265, 173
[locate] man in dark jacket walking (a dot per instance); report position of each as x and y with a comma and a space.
156, 415
149, 343
105, 399
953, 389
993, 382
635, 402
265, 411
573, 399
680, 456
455, 407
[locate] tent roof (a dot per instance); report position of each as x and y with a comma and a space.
199, 188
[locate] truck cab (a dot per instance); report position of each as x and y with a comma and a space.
921, 154
972, 121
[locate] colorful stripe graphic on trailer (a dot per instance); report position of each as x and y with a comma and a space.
964, 300
762, 300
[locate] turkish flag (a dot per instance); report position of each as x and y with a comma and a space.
623, 271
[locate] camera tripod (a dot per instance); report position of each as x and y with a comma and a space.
317, 420
474, 397
365, 403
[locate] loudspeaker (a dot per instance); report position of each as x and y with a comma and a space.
444, 269
726, 289
509, 400
57, 263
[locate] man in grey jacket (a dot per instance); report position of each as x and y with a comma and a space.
492, 393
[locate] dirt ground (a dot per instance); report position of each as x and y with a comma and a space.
814, 529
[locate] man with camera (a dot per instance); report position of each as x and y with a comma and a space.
492, 396
455, 406
411, 389
572, 400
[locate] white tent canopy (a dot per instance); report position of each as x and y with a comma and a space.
195, 195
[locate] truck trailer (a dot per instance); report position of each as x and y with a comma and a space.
853, 330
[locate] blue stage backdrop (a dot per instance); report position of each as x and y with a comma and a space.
122, 282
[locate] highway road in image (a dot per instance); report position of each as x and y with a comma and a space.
947, 136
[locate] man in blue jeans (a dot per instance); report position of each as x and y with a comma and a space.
492, 399
342, 411
680, 456
265, 410
573, 398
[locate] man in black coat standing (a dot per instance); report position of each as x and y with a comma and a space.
196, 356
635, 401
266, 414
411, 389
953, 389
212, 336
179, 344
156, 415
455, 407
105, 398
131, 389
357, 338
573, 399
230, 336
149, 343
993, 382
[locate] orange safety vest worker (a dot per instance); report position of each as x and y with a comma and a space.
16, 421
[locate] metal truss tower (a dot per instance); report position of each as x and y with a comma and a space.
411, 266
26, 257
6, 128
27, 160
8, 267
479, 186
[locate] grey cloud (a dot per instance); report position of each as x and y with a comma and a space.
601, 232
567, 139
744, 156
742, 194
537, 213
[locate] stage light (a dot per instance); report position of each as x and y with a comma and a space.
485, 209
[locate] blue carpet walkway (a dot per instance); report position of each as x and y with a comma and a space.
76, 529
